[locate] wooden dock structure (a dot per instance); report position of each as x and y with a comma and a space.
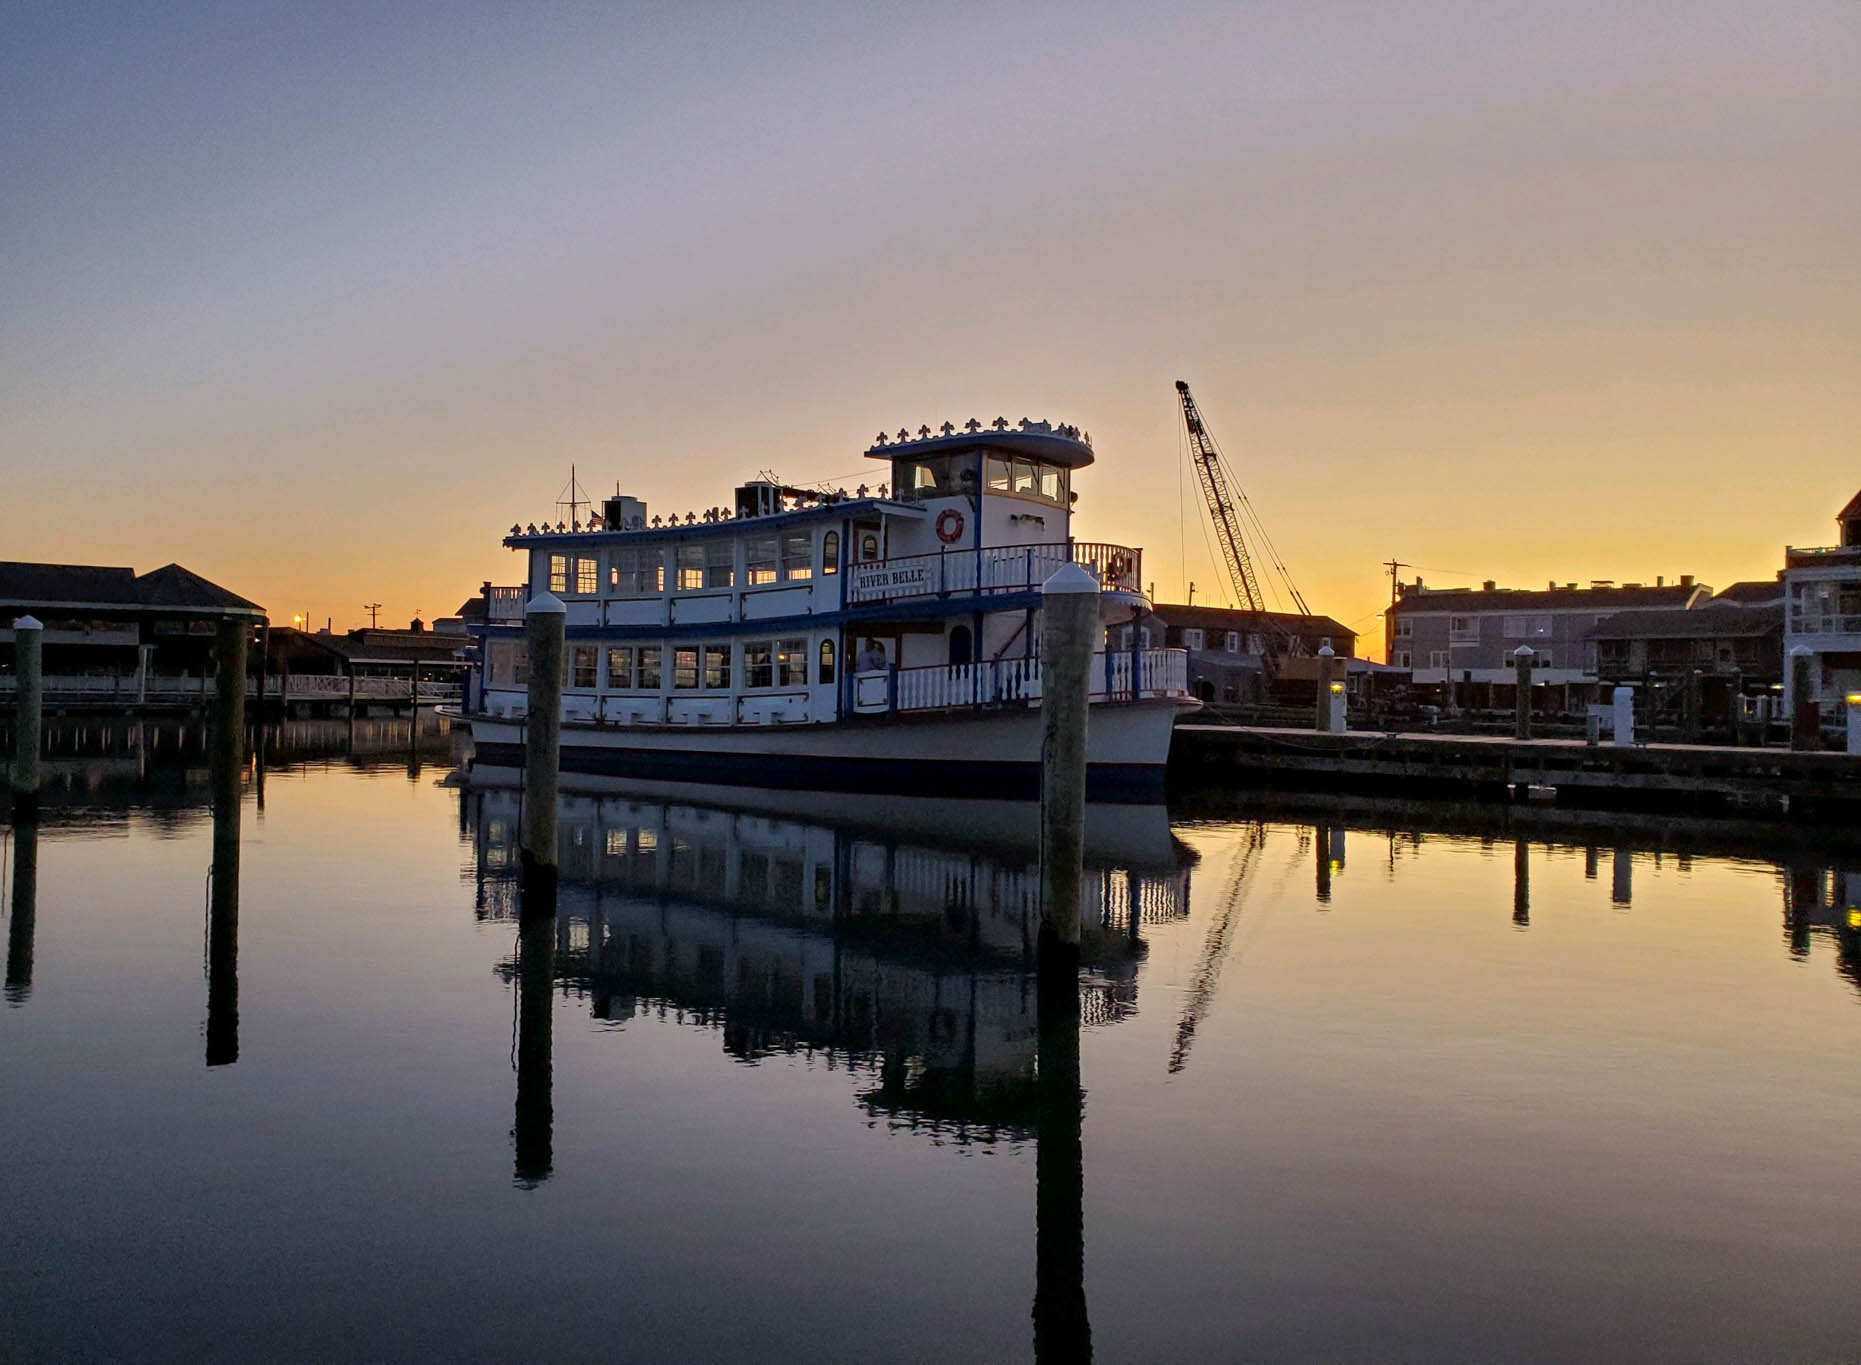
1699, 779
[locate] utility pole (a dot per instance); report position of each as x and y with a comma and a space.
1394, 566
373, 609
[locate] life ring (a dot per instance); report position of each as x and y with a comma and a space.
949, 525
1116, 570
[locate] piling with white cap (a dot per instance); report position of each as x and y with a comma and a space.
1805, 712
1623, 700
1322, 717
1069, 627
28, 740
545, 623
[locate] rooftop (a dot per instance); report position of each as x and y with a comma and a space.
1597, 597
170, 588
1714, 621
1055, 443
1239, 618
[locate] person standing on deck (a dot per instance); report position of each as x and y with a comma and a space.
871, 658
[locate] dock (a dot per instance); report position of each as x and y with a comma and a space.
1698, 779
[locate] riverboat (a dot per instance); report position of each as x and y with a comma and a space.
878, 642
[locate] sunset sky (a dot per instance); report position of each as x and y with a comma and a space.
319, 299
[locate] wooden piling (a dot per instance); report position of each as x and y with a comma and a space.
29, 664
1521, 681
1321, 716
1805, 713
545, 621
1521, 882
1069, 628
228, 763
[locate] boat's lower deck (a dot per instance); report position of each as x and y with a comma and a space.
991, 754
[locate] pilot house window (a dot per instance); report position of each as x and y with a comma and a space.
587, 576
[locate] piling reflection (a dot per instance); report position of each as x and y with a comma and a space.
23, 907
533, 1133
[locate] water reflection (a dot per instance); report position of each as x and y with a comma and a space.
23, 906
907, 961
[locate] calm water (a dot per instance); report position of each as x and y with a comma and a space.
769, 1091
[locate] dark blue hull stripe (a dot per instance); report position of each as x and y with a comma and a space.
989, 779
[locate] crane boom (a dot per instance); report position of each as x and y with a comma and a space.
1221, 510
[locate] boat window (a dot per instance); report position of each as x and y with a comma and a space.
1053, 483
620, 668
503, 665
685, 669
582, 661
558, 573
690, 566
1024, 479
826, 674
797, 557
646, 675
635, 573
996, 470
759, 560
791, 663
587, 576
869, 546
717, 666
719, 559
830, 552
758, 670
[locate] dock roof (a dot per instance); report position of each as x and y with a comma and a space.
171, 589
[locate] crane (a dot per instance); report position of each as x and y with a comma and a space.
1227, 509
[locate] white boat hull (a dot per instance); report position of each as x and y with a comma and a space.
992, 754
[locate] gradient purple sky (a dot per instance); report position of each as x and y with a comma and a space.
319, 299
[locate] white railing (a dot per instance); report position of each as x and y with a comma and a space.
505, 604
1117, 675
993, 569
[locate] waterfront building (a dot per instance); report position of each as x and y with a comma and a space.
1234, 654
114, 636
1468, 636
1822, 593
886, 641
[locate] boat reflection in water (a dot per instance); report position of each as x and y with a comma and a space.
908, 956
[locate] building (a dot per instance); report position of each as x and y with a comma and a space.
1228, 648
1721, 649
1822, 598
115, 632
1469, 636
372, 655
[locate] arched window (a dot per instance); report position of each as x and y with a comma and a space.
868, 547
826, 673
961, 647
830, 552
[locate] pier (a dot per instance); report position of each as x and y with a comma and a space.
1694, 778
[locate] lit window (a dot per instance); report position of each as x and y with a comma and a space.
587, 576
717, 666
759, 557
646, 676
797, 557
830, 552
558, 573
827, 661
791, 663
582, 671
690, 566
620, 668
685, 669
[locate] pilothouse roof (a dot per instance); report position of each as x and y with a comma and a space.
1052, 443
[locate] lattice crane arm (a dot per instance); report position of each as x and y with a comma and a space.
1221, 509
